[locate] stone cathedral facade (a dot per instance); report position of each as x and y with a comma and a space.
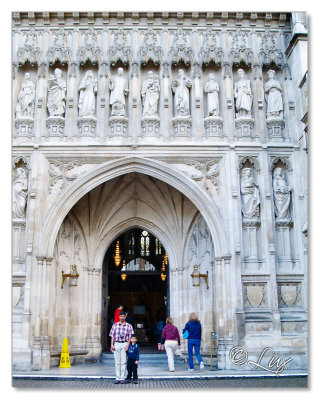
192, 126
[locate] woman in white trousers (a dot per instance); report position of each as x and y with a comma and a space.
171, 336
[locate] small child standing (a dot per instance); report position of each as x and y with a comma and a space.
133, 360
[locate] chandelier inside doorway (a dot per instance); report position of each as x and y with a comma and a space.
138, 250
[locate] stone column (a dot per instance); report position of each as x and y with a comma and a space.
102, 102
195, 107
283, 243
89, 341
165, 103
134, 103
45, 346
96, 313
36, 342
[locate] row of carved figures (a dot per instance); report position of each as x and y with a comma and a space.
150, 92
249, 192
250, 195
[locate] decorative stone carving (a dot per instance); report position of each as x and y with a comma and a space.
250, 195
180, 88
281, 195
254, 294
240, 51
289, 294
150, 50
213, 127
120, 50
25, 106
180, 50
57, 88
61, 47
243, 95
150, 92
118, 126
19, 194
30, 49
212, 88
119, 88
181, 126
89, 49
268, 51
61, 174
209, 51
243, 102
87, 126
207, 175
275, 121
88, 89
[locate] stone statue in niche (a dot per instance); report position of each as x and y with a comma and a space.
150, 91
88, 90
250, 195
25, 104
273, 92
180, 88
57, 88
212, 88
119, 88
243, 95
19, 194
281, 194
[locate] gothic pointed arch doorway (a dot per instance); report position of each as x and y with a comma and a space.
139, 279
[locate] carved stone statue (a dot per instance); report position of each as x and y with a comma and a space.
119, 89
212, 88
281, 194
273, 93
19, 194
150, 95
243, 95
57, 88
250, 195
25, 104
181, 89
87, 89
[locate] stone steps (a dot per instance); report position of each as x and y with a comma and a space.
145, 358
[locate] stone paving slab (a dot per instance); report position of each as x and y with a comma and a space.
265, 382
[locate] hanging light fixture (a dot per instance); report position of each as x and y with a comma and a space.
123, 275
163, 276
163, 268
73, 276
165, 258
117, 255
196, 276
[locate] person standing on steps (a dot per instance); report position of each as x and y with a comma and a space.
120, 333
171, 336
117, 313
193, 326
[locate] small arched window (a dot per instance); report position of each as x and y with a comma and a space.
145, 244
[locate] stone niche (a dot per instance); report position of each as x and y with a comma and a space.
150, 121
119, 112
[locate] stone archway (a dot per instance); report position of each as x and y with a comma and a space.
112, 169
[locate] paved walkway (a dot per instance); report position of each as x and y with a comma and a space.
148, 372
280, 382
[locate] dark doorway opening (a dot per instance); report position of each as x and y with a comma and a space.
140, 282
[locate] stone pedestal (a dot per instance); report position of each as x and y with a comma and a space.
150, 126
276, 131
213, 127
283, 243
18, 246
87, 126
24, 127
118, 126
55, 126
244, 127
250, 240
182, 126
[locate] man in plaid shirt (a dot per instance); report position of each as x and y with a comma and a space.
120, 333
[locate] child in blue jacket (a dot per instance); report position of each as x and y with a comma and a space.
133, 360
